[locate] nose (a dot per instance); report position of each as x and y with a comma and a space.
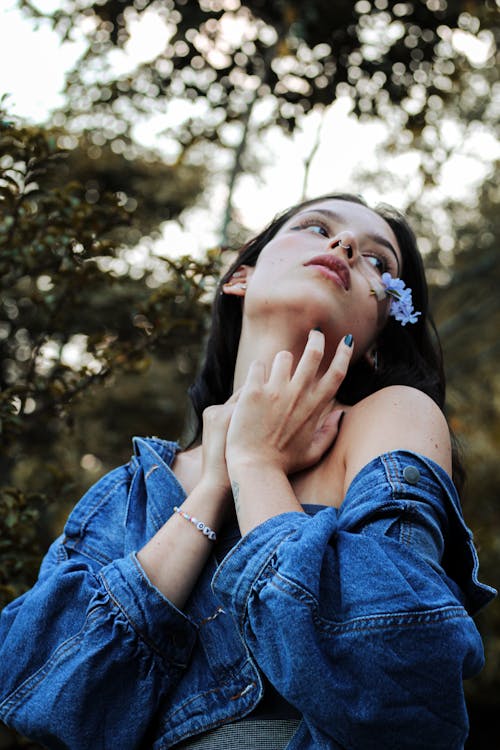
346, 241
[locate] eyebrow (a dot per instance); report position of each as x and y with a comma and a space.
378, 238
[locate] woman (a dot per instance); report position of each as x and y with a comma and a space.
342, 618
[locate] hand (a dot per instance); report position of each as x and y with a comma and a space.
288, 421
216, 421
280, 425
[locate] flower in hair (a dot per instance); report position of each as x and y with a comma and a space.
401, 307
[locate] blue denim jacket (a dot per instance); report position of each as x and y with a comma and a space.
359, 616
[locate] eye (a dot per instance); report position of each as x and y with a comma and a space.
318, 229
377, 262
313, 225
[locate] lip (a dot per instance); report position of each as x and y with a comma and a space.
338, 268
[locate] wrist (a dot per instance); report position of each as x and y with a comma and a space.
248, 462
209, 502
260, 491
214, 488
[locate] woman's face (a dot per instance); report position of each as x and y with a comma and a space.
321, 268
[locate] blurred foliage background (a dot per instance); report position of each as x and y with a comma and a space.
101, 331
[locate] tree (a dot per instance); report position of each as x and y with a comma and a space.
468, 311
231, 69
71, 319
397, 61
461, 238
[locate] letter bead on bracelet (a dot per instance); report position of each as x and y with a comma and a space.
199, 524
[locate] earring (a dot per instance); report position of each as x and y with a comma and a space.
233, 285
375, 360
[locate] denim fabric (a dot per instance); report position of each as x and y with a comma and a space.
361, 618
251, 734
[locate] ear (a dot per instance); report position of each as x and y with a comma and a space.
237, 284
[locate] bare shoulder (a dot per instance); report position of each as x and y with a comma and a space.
394, 418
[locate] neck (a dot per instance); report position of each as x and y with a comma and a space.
263, 341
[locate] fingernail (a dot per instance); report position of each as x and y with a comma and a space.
348, 339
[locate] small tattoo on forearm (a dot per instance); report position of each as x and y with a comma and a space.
235, 487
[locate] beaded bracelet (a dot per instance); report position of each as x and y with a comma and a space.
199, 524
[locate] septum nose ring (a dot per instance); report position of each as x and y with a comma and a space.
346, 247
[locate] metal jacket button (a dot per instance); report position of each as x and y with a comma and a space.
411, 474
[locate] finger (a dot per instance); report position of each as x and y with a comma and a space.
333, 377
233, 398
213, 423
256, 375
281, 369
326, 407
310, 360
325, 435
218, 416
333, 421
215, 416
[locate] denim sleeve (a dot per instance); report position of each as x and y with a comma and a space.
90, 634
352, 617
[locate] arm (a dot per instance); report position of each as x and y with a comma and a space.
280, 425
174, 557
97, 633
350, 613
92, 632
352, 617
394, 418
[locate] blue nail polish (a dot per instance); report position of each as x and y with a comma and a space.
348, 339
